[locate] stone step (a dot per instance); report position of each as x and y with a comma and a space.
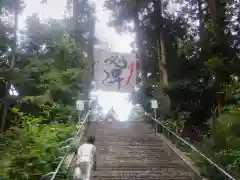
132, 151
131, 145
115, 131
141, 166
141, 178
145, 157
150, 137
127, 147
138, 153
139, 160
129, 140
164, 173
100, 135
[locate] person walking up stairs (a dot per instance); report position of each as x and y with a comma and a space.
86, 160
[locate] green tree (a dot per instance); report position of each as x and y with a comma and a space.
201, 59
8, 8
83, 31
48, 74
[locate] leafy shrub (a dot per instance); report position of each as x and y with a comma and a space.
222, 147
30, 150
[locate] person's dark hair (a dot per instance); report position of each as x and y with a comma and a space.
91, 140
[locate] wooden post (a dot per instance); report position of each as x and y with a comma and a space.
220, 100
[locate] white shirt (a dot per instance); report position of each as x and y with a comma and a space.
86, 153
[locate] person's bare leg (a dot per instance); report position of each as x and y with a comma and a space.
84, 170
88, 171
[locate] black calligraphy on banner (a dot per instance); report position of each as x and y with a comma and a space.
114, 75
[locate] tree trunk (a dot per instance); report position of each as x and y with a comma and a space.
142, 58
160, 31
5, 108
213, 16
163, 61
220, 48
90, 64
88, 74
74, 18
217, 11
12, 62
14, 47
140, 46
201, 19
204, 54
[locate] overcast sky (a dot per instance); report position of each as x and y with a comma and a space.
56, 10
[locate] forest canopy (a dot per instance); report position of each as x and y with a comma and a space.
189, 54
43, 70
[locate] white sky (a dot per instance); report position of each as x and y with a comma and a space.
103, 32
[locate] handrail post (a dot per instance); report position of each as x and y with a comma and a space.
156, 127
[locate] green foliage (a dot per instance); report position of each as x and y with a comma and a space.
31, 149
174, 125
51, 83
213, 64
222, 147
48, 75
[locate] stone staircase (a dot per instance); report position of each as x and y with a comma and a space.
132, 151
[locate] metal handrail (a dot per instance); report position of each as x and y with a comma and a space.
67, 152
192, 147
78, 134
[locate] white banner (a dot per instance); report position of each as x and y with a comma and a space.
114, 71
